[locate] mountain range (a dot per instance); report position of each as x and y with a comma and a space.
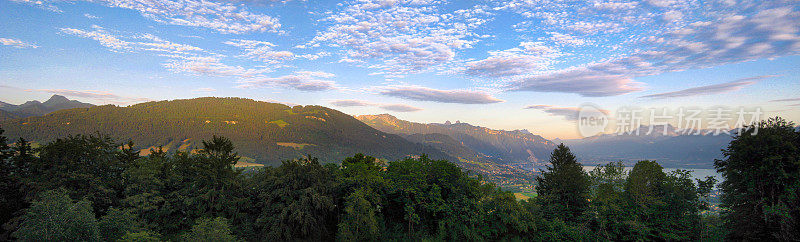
268, 133
671, 148
518, 148
36, 108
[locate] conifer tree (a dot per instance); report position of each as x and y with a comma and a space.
564, 186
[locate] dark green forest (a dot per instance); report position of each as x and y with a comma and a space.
94, 188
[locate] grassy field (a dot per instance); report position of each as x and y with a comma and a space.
245, 162
524, 195
296, 146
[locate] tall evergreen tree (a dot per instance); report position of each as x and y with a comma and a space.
761, 191
11, 195
564, 187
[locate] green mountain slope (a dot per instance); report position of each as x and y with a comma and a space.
266, 132
5, 115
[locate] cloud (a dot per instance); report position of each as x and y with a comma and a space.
529, 57
384, 106
404, 36
210, 66
584, 81
193, 60
181, 58
443, 96
221, 16
17, 43
102, 36
261, 51
298, 81
321, 74
566, 39
672, 16
710, 89
400, 108
351, 103
40, 4
569, 113
133, 43
89, 16
768, 33
786, 100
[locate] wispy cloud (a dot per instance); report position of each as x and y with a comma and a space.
211, 66
89, 16
16, 43
419, 93
569, 113
567, 39
405, 36
400, 107
710, 89
261, 51
351, 103
46, 5
302, 81
527, 58
786, 100
384, 106
182, 58
223, 17
137, 42
701, 44
585, 81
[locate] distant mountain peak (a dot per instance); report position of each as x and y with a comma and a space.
507, 147
5, 104
36, 108
384, 117
56, 99
33, 102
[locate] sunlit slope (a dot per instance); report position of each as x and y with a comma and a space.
266, 132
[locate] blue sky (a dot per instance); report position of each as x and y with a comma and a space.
515, 64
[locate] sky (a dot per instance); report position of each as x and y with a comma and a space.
508, 64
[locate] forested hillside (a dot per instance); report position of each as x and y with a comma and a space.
5, 115
507, 176
266, 132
